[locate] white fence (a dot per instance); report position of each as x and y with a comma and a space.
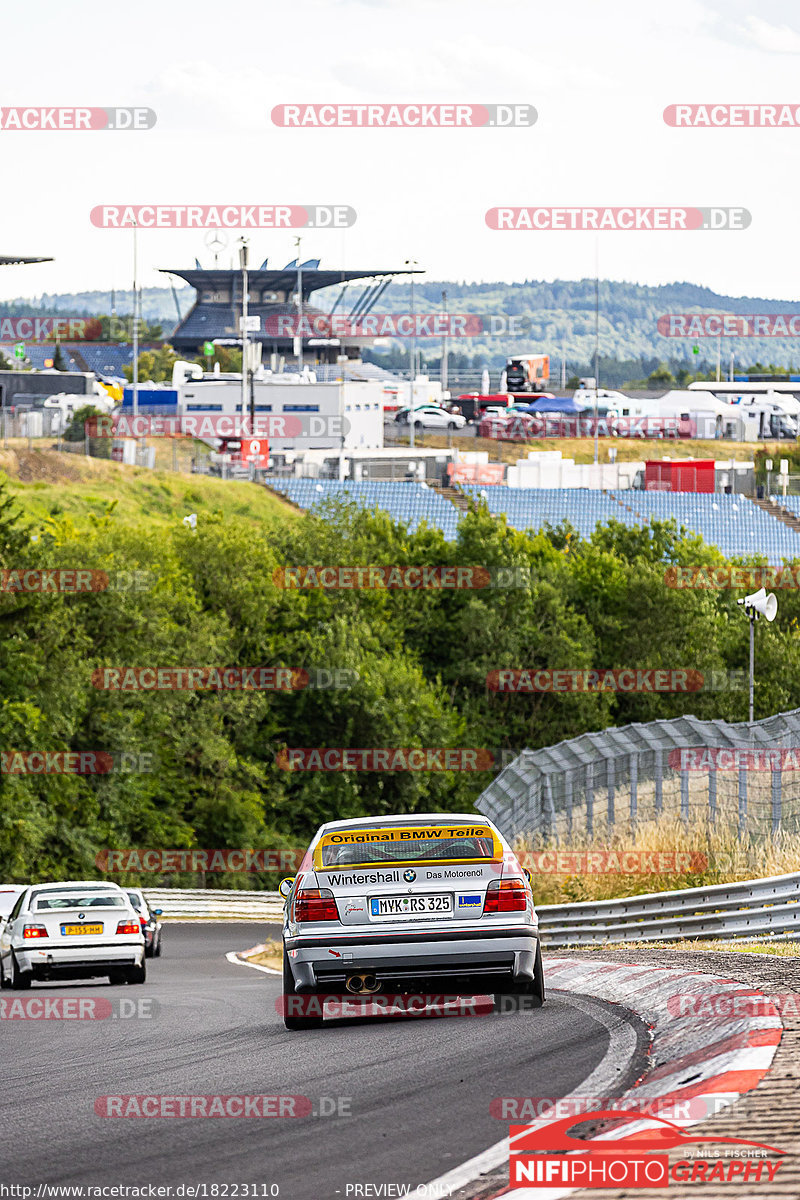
219, 905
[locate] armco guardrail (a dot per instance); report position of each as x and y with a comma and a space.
755, 908
222, 905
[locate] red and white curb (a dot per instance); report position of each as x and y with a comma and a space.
712, 1055
240, 958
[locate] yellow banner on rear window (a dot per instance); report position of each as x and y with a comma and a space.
399, 837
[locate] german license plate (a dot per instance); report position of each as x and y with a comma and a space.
77, 930
399, 908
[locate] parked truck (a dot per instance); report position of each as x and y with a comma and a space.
526, 373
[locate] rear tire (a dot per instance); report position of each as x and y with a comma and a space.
292, 1022
20, 980
526, 996
158, 947
136, 974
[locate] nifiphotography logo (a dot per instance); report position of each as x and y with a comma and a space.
409, 875
637, 1159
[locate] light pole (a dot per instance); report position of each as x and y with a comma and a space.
412, 262
767, 605
297, 241
135, 376
245, 298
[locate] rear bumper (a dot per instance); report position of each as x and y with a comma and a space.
489, 962
79, 962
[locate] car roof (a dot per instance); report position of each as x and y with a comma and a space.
408, 819
68, 884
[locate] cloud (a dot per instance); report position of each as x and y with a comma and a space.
774, 39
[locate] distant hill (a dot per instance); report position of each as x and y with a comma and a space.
549, 313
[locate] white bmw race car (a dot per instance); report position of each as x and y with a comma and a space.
71, 931
433, 902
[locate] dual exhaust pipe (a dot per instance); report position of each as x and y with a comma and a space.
362, 985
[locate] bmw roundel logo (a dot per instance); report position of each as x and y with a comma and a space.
81, 916
409, 875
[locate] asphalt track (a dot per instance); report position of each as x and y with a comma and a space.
419, 1090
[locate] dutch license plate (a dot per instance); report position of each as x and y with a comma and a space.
77, 930
404, 907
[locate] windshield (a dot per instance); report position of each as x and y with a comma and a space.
7, 900
52, 902
442, 849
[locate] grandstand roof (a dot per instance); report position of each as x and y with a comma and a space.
282, 280
10, 260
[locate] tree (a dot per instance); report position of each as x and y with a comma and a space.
155, 365
661, 377
228, 357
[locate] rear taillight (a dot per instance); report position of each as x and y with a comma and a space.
506, 895
34, 931
315, 904
128, 927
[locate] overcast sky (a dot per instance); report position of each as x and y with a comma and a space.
599, 75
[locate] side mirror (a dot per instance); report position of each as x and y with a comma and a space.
285, 886
158, 911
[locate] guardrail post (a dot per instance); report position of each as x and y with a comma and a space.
777, 800
590, 798
712, 794
659, 776
609, 781
684, 794
634, 770
742, 800
568, 800
550, 808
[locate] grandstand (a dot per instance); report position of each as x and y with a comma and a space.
732, 523
410, 503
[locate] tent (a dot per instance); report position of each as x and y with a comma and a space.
561, 404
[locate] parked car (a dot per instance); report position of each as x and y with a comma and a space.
431, 416
148, 918
430, 903
71, 931
8, 895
